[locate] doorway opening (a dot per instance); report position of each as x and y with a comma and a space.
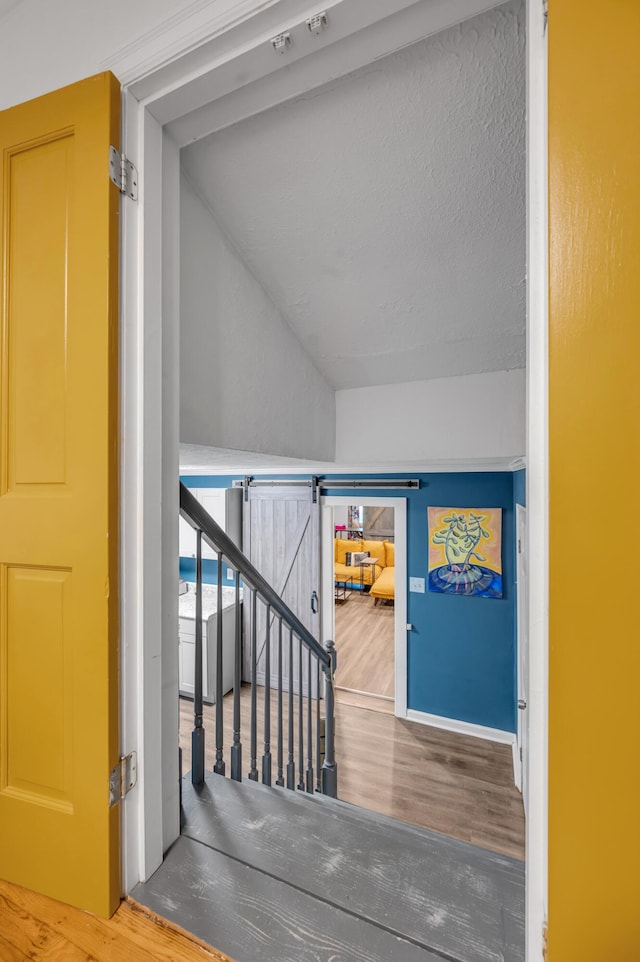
363, 604
367, 623
151, 826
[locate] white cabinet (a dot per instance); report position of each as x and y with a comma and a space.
187, 643
187, 657
212, 500
186, 539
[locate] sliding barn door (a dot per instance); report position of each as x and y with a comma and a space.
59, 495
281, 536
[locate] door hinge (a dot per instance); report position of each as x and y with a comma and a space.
122, 778
519, 546
545, 15
123, 174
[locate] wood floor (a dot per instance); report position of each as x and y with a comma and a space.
451, 783
365, 644
270, 875
34, 928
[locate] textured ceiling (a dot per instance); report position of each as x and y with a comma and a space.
7, 5
384, 213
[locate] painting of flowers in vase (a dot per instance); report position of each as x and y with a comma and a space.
465, 551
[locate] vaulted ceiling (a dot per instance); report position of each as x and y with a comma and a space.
7, 5
384, 213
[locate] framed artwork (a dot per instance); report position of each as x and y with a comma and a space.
465, 551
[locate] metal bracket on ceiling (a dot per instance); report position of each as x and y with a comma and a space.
281, 43
317, 23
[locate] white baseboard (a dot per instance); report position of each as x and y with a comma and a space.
461, 727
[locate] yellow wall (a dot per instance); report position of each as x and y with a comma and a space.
594, 657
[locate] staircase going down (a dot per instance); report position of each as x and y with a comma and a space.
270, 875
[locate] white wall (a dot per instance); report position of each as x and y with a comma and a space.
246, 382
454, 418
45, 44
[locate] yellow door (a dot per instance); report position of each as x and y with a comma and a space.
58, 495
594, 432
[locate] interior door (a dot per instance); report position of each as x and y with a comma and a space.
281, 537
59, 495
523, 647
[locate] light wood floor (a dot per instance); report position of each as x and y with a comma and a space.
34, 928
365, 644
452, 783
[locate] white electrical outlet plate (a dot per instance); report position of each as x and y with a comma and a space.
229, 574
416, 584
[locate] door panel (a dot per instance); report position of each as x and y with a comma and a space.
281, 532
594, 465
58, 495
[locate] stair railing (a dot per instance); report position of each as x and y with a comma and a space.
294, 639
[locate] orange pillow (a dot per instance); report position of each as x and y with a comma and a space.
390, 553
342, 546
376, 550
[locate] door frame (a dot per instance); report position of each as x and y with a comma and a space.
521, 692
160, 72
327, 534
537, 478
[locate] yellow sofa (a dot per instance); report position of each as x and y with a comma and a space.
382, 551
384, 587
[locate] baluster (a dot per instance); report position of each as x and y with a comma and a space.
280, 776
197, 736
291, 765
318, 729
253, 773
329, 767
266, 757
219, 766
236, 748
300, 722
309, 773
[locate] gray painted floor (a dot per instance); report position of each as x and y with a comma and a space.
268, 875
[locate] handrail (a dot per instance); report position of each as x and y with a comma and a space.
199, 518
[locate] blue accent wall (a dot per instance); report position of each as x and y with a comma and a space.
462, 650
209, 571
209, 480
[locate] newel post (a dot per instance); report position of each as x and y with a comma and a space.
329, 766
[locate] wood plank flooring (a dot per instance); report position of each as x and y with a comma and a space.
272, 875
259, 917
365, 644
439, 780
39, 929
